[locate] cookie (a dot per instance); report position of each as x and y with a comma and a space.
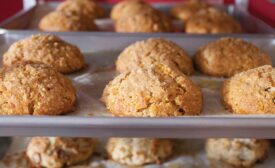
237, 152
57, 152
128, 8
153, 92
47, 49
58, 21
143, 54
85, 7
212, 21
138, 151
228, 56
35, 89
251, 92
146, 22
187, 9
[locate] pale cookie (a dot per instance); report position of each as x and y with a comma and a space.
251, 92
85, 7
35, 89
153, 92
57, 152
143, 54
237, 152
138, 151
58, 21
212, 21
146, 22
187, 9
47, 49
128, 8
228, 56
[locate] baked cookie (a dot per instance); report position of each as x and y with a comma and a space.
237, 152
57, 152
187, 9
212, 21
58, 21
47, 49
153, 92
35, 89
146, 53
138, 151
146, 22
228, 56
85, 7
251, 92
128, 8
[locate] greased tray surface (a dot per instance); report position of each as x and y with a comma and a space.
28, 19
91, 118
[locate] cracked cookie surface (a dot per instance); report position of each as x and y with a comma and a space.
138, 151
47, 49
35, 89
237, 152
153, 92
251, 92
153, 51
228, 56
57, 152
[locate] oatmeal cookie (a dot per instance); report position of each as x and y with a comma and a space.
47, 49
35, 89
228, 56
251, 92
143, 54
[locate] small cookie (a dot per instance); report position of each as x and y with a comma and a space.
58, 21
128, 8
138, 151
146, 22
228, 56
237, 152
35, 89
153, 92
57, 152
212, 21
47, 49
251, 92
146, 53
85, 7
187, 9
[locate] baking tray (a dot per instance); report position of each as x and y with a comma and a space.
91, 118
28, 19
187, 153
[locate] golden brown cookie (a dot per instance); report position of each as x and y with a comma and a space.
57, 152
237, 152
128, 8
146, 22
47, 49
187, 9
212, 21
58, 21
251, 92
138, 151
146, 53
85, 7
35, 89
153, 92
228, 56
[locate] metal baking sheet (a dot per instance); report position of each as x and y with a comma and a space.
187, 153
29, 18
91, 118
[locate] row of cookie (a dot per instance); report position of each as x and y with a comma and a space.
59, 152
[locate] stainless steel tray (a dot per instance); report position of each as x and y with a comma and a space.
91, 118
28, 18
